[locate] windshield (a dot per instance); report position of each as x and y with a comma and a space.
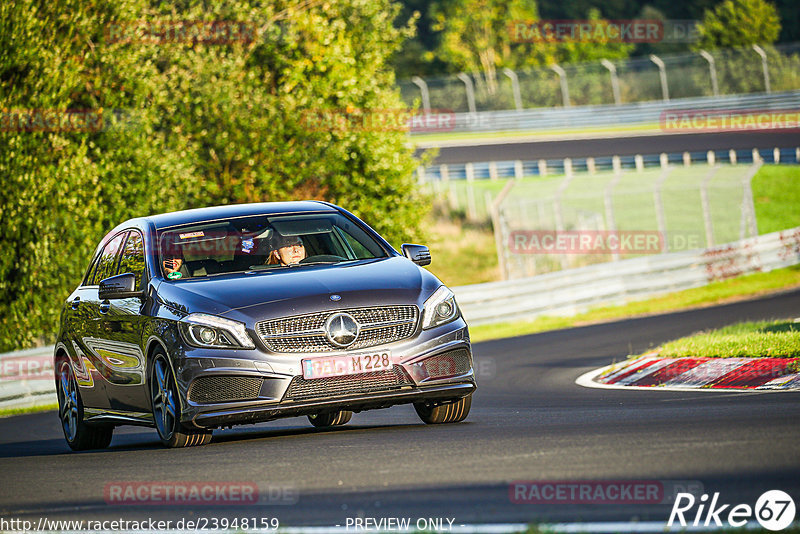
263, 242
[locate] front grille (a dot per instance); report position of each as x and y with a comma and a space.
317, 388
452, 363
224, 389
306, 333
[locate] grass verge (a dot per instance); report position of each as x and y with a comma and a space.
716, 293
8, 412
762, 339
434, 138
776, 195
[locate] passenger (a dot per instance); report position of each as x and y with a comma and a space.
286, 250
173, 265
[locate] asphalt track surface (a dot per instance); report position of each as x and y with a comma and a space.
621, 146
529, 421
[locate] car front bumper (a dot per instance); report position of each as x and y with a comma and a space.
417, 361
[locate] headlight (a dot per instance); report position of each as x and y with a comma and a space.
203, 330
440, 308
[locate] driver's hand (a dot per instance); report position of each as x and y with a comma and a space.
170, 266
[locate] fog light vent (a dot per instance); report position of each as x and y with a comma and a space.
452, 363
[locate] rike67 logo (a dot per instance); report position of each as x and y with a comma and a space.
774, 510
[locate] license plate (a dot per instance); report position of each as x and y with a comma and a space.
350, 364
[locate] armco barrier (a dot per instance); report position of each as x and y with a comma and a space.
611, 115
557, 293
26, 378
575, 290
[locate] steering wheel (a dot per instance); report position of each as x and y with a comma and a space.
323, 258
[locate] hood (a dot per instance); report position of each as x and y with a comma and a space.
260, 295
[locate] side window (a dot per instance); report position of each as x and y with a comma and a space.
87, 281
132, 260
106, 264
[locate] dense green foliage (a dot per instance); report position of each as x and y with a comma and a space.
185, 123
428, 53
735, 23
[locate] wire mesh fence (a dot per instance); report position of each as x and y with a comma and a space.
691, 75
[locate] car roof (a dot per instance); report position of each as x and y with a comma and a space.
176, 218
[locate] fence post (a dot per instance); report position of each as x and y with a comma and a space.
423, 89
421, 174
659, 204
662, 72
711, 157
470, 88
472, 212
562, 78
542, 167
616, 164
687, 159
518, 170
776, 155
748, 205
608, 201
612, 70
732, 156
664, 160
707, 206
493, 170
568, 167
498, 224
514, 87
712, 69
444, 172
764, 68
453, 197
639, 161
590, 165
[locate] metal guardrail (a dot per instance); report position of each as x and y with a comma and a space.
613, 115
27, 376
575, 290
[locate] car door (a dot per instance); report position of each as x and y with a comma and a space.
120, 323
89, 330
79, 321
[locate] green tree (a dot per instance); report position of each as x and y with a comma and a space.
185, 123
739, 23
484, 36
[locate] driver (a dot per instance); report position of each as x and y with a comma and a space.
286, 250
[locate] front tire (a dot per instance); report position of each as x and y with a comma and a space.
78, 434
451, 412
167, 409
339, 418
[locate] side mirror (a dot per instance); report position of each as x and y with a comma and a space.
419, 254
121, 286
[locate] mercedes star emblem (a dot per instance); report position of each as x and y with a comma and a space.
341, 329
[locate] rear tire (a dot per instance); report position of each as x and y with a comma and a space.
79, 435
339, 418
167, 409
451, 412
